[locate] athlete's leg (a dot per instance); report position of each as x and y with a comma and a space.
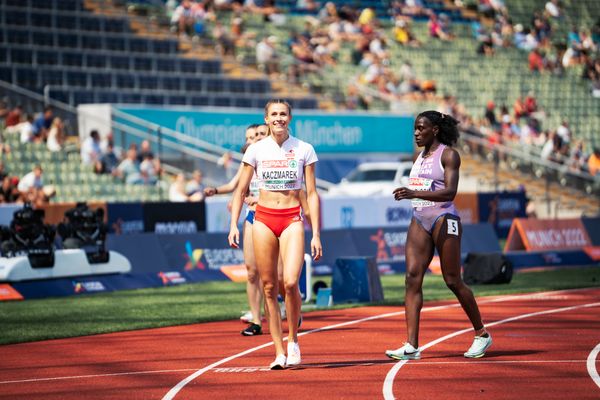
419, 252
253, 287
447, 235
266, 253
292, 252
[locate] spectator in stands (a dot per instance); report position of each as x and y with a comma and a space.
24, 129
490, 115
8, 192
148, 171
308, 5
90, 149
14, 116
266, 55
129, 168
31, 187
594, 162
56, 135
553, 9
577, 161
224, 43
402, 33
145, 153
226, 162
182, 20
356, 100
177, 189
3, 172
536, 61
486, 46
42, 124
194, 189
108, 161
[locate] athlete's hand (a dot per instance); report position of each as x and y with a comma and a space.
251, 200
316, 250
402, 193
234, 237
210, 191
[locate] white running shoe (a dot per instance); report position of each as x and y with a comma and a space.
479, 346
406, 352
279, 362
293, 354
247, 317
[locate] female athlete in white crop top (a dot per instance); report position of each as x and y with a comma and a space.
280, 162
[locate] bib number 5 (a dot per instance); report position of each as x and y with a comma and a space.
452, 227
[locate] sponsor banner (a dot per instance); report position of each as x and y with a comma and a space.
467, 205
328, 133
7, 292
90, 286
125, 218
388, 245
557, 258
499, 209
551, 234
200, 252
55, 212
170, 278
362, 212
592, 227
174, 218
143, 250
236, 273
593, 252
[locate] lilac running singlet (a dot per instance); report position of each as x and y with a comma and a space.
428, 174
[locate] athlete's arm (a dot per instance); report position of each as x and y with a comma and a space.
313, 206
304, 205
236, 204
451, 164
225, 188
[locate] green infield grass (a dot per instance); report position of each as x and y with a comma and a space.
52, 318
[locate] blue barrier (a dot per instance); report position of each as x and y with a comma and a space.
356, 279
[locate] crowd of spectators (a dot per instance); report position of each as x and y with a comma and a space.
547, 52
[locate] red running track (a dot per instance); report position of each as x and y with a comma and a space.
545, 347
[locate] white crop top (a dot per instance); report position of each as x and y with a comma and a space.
280, 168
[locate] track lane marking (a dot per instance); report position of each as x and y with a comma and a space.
591, 365
58, 378
388, 383
523, 296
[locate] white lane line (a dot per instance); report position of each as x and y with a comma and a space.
175, 389
59, 378
591, 365
388, 383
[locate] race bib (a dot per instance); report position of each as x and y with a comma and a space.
280, 175
420, 185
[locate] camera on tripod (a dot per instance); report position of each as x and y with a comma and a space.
84, 228
29, 236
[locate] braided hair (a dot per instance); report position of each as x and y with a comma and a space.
447, 125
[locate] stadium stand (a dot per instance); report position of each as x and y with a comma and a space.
82, 57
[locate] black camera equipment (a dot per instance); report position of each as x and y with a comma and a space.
28, 236
85, 229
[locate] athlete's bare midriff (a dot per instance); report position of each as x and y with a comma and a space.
279, 199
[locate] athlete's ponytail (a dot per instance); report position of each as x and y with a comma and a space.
447, 125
